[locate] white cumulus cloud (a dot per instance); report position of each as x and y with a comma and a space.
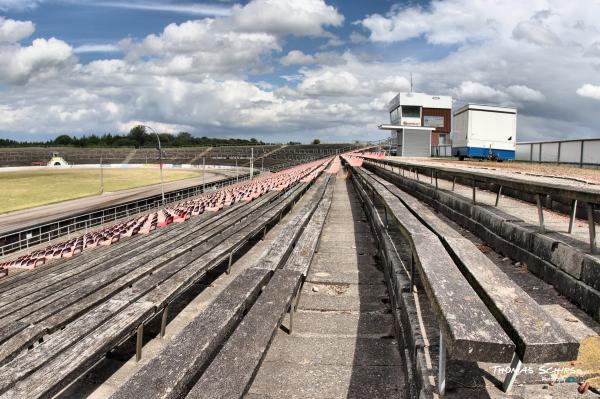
44, 57
524, 93
302, 18
590, 91
297, 57
12, 31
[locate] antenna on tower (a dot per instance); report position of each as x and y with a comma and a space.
411, 84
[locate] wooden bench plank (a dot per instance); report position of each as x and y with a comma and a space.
30, 361
301, 257
291, 232
168, 374
230, 373
78, 358
539, 338
470, 330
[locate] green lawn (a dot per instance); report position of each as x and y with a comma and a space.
27, 189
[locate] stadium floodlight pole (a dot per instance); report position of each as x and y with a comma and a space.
162, 183
101, 177
252, 163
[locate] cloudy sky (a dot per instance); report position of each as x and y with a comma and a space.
283, 70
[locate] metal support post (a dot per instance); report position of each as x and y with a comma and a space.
318, 243
572, 215
291, 329
474, 191
498, 196
138, 342
412, 272
163, 321
297, 301
453, 183
592, 227
538, 200
230, 260
515, 368
442, 366
386, 217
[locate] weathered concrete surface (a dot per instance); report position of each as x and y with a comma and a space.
328, 381
342, 343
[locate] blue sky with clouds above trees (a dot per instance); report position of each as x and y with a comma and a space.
285, 70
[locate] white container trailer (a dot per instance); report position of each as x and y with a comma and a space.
484, 131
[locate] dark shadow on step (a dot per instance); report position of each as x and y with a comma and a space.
377, 370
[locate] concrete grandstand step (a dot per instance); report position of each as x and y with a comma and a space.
328, 381
231, 372
376, 324
342, 297
178, 321
372, 276
342, 351
130, 156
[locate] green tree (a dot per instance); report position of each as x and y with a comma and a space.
63, 139
184, 138
316, 141
138, 135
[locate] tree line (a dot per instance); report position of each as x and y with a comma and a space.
137, 137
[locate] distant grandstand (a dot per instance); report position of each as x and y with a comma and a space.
272, 157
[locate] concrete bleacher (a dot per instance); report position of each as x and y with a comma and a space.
29, 155
174, 155
273, 157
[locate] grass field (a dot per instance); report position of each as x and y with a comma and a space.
27, 189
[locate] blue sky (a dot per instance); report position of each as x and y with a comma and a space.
284, 69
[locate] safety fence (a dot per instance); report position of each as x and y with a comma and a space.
581, 152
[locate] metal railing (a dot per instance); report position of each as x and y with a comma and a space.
580, 152
538, 189
22, 239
